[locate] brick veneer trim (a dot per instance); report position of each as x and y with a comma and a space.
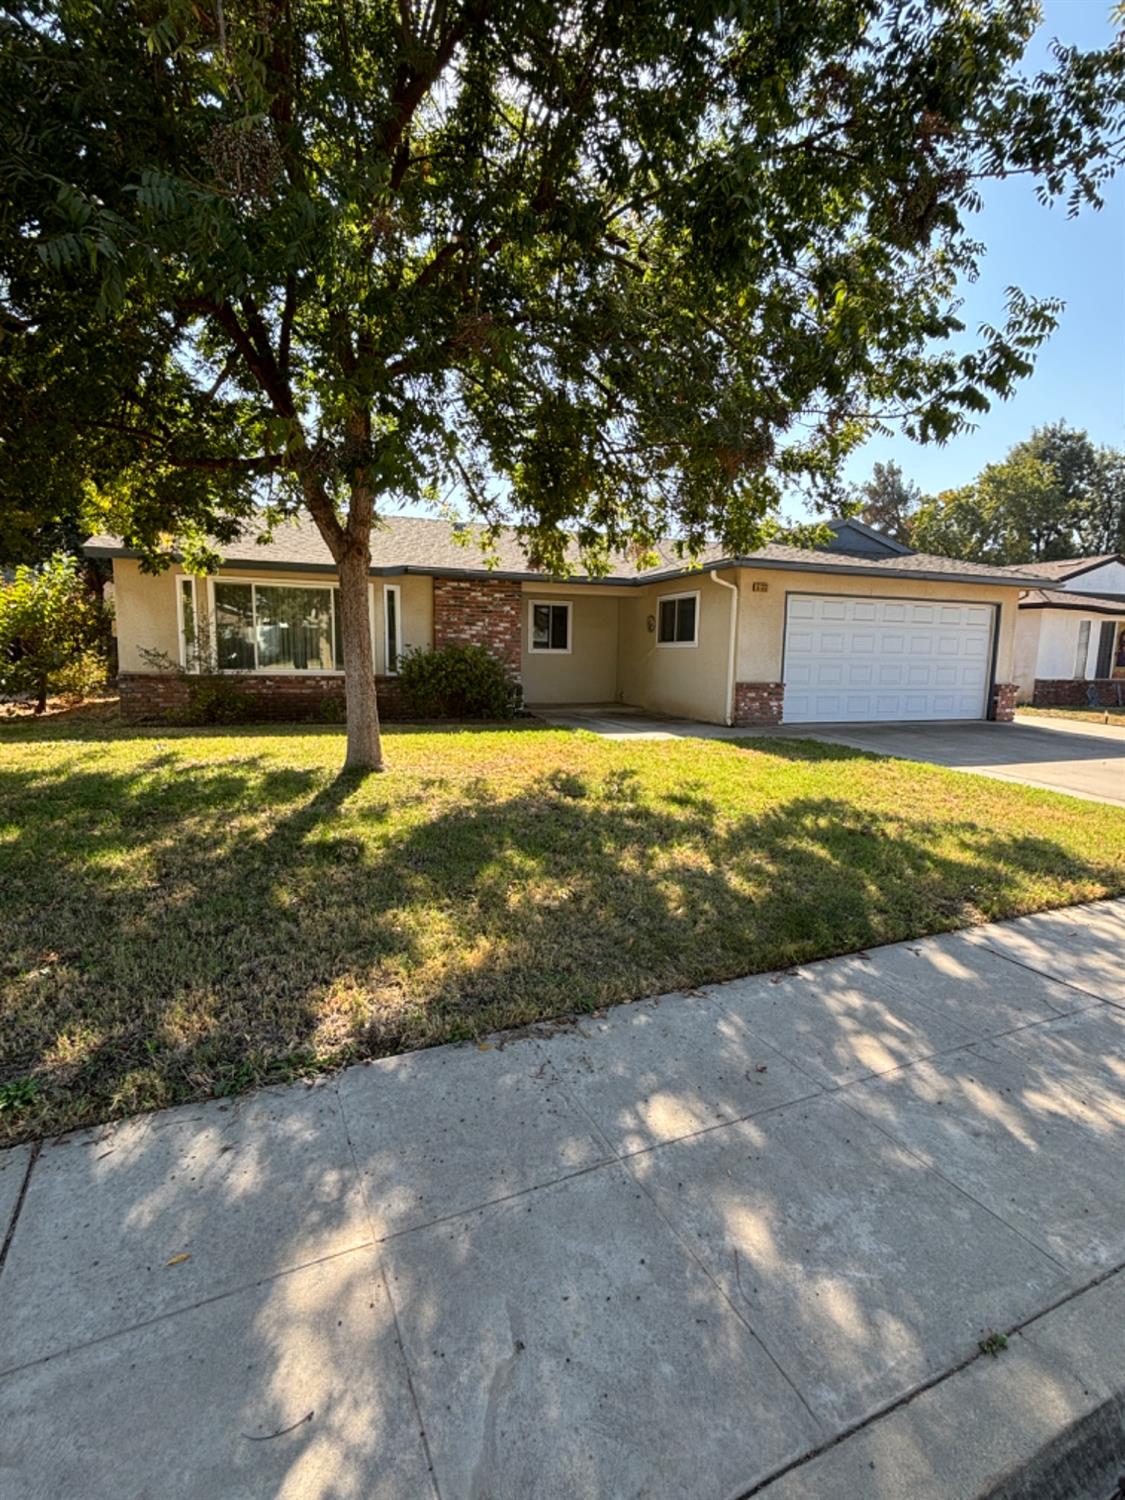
480, 612
758, 702
1053, 692
163, 696
1004, 701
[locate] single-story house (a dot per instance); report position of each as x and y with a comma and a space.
863, 629
1070, 632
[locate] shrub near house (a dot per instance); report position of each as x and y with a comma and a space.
51, 629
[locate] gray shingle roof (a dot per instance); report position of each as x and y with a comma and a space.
1099, 604
397, 542
425, 545
918, 564
1065, 567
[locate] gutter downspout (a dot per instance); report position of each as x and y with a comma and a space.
729, 718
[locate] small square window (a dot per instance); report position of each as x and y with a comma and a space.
677, 620
550, 627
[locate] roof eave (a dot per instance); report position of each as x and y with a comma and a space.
394, 570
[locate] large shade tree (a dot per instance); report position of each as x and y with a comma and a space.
616, 271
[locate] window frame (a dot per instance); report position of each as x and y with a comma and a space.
193, 583
532, 648
396, 590
663, 599
277, 583
1082, 651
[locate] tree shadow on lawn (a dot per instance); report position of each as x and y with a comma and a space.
166, 941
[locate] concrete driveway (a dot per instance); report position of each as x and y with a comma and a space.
742, 1242
1085, 760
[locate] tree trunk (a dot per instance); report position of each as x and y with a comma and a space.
365, 750
41, 701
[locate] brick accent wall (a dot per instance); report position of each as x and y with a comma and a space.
480, 612
163, 697
1067, 692
1004, 701
757, 702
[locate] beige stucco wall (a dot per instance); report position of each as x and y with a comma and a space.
1025, 652
685, 680
145, 615
587, 673
417, 597
146, 618
761, 623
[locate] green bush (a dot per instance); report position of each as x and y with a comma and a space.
81, 677
51, 628
217, 700
457, 682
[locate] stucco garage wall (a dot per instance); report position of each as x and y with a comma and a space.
761, 623
685, 680
587, 673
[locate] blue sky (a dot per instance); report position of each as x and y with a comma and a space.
1080, 373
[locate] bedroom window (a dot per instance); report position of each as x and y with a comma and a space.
1083, 651
678, 620
550, 627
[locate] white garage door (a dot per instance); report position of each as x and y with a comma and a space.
862, 659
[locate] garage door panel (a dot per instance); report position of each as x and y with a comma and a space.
843, 663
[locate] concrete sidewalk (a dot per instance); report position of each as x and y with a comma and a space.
742, 1242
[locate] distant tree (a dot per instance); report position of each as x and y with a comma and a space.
952, 524
1054, 496
888, 501
1102, 525
50, 625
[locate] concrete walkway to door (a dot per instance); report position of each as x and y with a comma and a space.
1085, 761
856, 1229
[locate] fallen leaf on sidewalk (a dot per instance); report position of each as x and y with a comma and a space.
178, 1260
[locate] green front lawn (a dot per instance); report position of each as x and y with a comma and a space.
1077, 715
189, 913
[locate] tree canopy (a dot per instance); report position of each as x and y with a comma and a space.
887, 501
616, 271
1054, 496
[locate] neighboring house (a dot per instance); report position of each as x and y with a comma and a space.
864, 629
1070, 634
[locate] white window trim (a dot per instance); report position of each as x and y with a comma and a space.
278, 583
1082, 658
396, 590
181, 578
535, 650
667, 599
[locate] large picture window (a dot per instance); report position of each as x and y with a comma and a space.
677, 621
550, 627
264, 627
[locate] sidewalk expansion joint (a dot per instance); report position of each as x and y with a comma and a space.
37, 1146
927, 1385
